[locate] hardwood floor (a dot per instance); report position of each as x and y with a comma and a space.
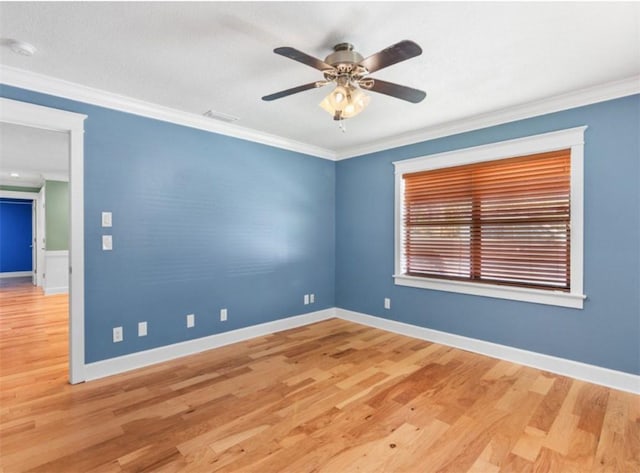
330, 397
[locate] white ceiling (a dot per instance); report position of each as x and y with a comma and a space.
35, 154
477, 57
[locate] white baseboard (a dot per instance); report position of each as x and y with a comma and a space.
141, 359
574, 369
48, 291
16, 274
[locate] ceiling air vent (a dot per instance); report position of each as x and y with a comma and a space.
223, 117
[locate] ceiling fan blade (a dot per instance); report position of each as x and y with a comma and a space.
394, 90
294, 90
304, 58
393, 54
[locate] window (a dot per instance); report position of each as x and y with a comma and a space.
502, 220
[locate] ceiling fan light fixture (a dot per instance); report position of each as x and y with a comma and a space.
345, 102
357, 103
338, 96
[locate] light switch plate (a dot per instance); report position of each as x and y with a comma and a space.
106, 219
107, 242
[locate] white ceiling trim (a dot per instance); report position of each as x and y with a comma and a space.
26, 182
70, 90
73, 91
591, 95
55, 176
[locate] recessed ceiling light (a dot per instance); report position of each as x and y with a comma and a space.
22, 47
15, 174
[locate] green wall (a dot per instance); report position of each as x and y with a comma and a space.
56, 198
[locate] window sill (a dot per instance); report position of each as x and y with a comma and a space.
539, 296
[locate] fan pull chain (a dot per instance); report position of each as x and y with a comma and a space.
342, 125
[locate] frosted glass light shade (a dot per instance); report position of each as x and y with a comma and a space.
345, 102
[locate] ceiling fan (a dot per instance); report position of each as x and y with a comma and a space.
349, 71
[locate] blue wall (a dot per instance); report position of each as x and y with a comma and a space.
203, 221
200, 222
15, 235
606, 333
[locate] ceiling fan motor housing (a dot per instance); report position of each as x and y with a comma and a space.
344, 57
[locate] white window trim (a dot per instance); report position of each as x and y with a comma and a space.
570, 138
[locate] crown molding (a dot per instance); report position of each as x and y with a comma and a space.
578, 98
73, 91
70, 90
55, 176
26, 182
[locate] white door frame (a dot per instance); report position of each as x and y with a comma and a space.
41, 235
27, 114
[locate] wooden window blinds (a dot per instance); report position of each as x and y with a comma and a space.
499, 222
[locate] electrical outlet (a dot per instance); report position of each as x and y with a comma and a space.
387, 303
223, 315
118, 335
142, 329
191, 320
312, 298
306, 299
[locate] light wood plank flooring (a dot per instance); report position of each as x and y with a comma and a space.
331, 397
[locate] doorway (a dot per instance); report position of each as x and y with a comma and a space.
35, 116
17, 231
